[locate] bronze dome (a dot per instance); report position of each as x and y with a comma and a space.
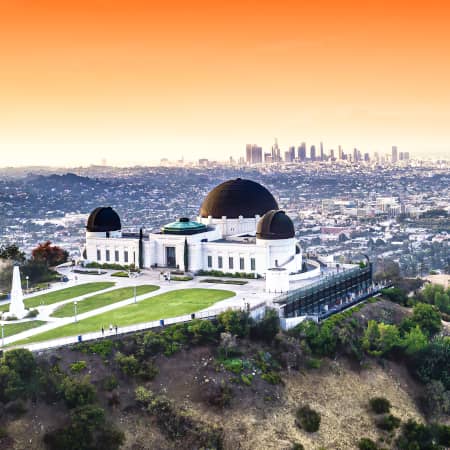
103, 219
238, 197
275, 225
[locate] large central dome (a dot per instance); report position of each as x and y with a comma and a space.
236, 198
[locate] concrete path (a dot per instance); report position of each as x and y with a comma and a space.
251, 293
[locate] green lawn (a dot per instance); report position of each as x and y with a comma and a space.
99, 300
169, 304
63, 294
14, 328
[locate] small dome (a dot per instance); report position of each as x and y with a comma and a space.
184, 226
275, 224
238, 197
103, 219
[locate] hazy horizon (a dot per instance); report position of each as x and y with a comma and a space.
133, 82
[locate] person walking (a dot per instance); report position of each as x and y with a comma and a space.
110, 327
116, 329
103, 331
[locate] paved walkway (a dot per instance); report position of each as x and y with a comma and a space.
251, 293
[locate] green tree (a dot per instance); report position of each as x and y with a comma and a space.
12, 253
428, 318
380, 338
414, 340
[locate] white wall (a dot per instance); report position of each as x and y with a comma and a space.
230, 227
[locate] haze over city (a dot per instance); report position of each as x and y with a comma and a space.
132, 82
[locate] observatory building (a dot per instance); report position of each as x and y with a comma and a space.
240, 228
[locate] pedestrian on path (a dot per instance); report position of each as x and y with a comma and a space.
110, 327
103, 331
116, 329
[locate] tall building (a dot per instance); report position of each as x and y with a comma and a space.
276, 153
394, 157
253, 154
312, 153
321, 152
340, 153
301, 152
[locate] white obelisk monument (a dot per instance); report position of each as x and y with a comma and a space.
16, 307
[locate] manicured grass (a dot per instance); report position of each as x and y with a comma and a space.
99, 300
122, 274
169, 304
14, 328
63, 294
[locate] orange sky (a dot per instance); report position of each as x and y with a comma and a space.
133, 81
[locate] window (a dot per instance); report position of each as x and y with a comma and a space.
241, 264
230, 263
219, 262
209, 261
107, 255
99, 255
252, 264
125, 256
116, 255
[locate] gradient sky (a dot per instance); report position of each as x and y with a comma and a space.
133, 81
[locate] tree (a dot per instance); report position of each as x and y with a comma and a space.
428, 318
51, 255
186, 255
414, 340
380, 338
12, 253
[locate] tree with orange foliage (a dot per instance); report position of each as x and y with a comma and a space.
51, 255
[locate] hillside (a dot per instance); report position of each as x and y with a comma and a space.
233, 393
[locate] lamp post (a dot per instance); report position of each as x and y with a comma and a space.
3, 334
75, 308
27, 278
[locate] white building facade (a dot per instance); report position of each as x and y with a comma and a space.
239, 229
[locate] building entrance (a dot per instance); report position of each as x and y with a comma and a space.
170, 257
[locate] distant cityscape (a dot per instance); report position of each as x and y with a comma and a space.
392, 211
255, 155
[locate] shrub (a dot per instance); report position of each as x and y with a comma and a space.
102, 347
148, 371
388, 422
297, 446
272, 377
267, 328
314, 363
367, 444
78, 366
110, 383
202, 331
129, 365
32, 313
380, 405
247, 379
418, 436
143, 395
77, 393
219, 395
395, 295
308, 419
234, 322
234, 365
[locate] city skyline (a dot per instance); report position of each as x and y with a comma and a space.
133, 81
